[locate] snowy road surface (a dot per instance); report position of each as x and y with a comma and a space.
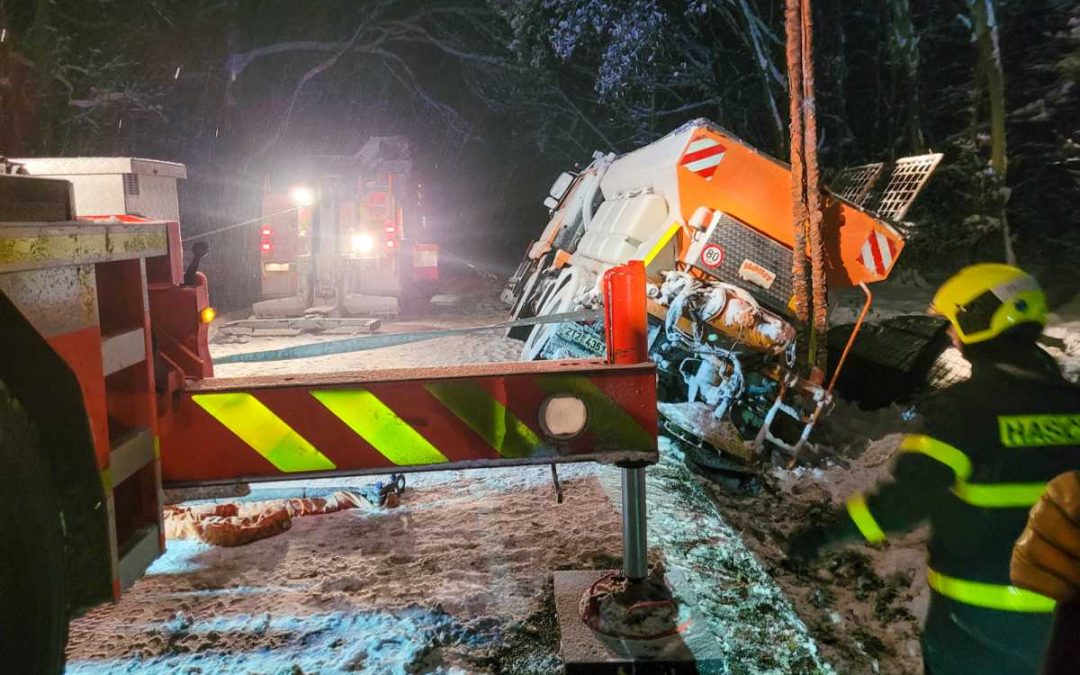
456, 580
433, 585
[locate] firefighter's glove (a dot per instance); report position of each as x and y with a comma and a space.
1046, 558
805, 544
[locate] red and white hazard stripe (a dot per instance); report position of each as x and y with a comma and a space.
878, 253
703, 156
121, 217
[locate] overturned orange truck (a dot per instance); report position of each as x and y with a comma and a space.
711, 219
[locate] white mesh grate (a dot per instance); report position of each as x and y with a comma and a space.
907, 179
854, 183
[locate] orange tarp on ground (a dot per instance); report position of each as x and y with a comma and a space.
238, 524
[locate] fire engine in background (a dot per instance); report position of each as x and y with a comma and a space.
710, 217
344, 235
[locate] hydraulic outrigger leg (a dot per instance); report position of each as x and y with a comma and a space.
612, 619
635, 544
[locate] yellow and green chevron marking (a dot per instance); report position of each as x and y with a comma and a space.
479, 410
380, 426
393, 437
258, 426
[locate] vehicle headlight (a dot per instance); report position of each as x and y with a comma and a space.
363, 243
301, 195
563, 416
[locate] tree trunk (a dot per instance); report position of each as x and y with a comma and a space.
986, 37
904, 44
40, 48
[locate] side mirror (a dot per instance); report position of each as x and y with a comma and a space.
560, 186
198, 251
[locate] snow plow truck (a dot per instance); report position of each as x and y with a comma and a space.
710, 217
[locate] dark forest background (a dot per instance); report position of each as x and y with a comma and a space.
499, 96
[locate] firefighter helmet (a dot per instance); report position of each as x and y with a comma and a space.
985, 300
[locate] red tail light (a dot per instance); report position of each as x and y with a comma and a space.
266, 244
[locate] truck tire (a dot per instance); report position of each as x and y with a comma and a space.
33, 599
560, 298
523, 308
521, 302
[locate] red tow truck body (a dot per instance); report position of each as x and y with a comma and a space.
106, 352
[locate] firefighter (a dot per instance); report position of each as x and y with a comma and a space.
986, 450
1046, 559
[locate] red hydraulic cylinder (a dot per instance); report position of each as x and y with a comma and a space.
625, 316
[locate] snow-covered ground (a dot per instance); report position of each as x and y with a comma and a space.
458, 579
478, 347
437, 585
1065, 326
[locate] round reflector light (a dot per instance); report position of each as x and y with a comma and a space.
563, 416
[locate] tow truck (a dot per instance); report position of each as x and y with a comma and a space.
108, 395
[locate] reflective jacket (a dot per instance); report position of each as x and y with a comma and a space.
987, 449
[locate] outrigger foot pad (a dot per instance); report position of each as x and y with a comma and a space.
681, 642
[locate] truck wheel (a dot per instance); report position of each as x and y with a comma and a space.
560, 299
33, 613
521, 302
523, 309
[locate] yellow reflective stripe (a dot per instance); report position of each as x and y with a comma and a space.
661, 243
989, 596
1038, 431
380, 426
864, 520
942, 452
85, 244
608, 422
479, 410
268, 434
999, 495
987, 495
